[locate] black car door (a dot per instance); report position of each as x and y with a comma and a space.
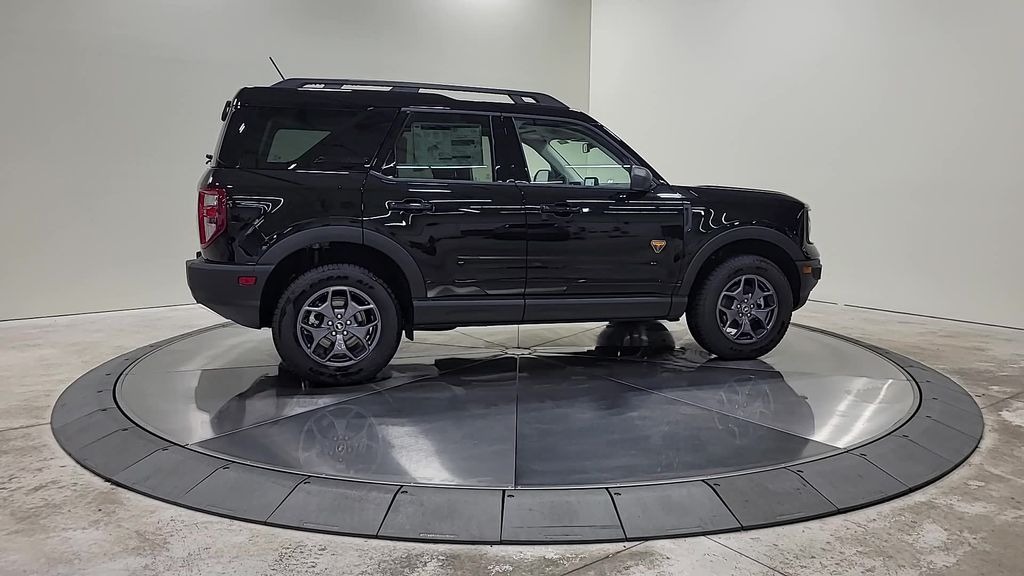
597, 249
439, 192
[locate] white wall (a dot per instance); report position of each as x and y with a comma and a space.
900, 122
108, 107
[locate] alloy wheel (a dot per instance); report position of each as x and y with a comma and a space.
338, 326
747, 308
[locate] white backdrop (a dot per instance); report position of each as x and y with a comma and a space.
108, 107
900, 122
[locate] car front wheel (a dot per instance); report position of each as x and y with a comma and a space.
742, 309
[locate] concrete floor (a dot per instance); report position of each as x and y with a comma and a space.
57, 518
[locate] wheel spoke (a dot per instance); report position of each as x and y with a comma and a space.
317, 332
339, 346
339, 314
763, 315
360, 333
730, 315
738, 290
745, 329
351, 309
324, 309
757, 294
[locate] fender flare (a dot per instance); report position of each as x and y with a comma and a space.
351, 235
769, 235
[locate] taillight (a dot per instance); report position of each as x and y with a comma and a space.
807, 224
213, 214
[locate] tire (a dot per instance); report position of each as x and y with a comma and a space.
350, 285
705, 320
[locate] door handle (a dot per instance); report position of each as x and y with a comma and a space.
409, 205
560, 209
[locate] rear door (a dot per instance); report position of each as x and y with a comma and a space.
439, 192
596, 249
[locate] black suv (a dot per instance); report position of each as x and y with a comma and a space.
341, 213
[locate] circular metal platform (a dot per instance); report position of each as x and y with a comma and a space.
575, 432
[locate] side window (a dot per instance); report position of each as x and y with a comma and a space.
445, 147
540, 169
569, 153
303, 139
289, 144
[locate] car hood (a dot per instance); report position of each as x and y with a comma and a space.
712, 190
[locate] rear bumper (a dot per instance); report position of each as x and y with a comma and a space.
810, 273
216, 286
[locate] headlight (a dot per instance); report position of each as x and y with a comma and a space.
807, 224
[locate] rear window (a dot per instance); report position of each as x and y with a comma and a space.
302, 139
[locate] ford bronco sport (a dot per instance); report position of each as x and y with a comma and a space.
342, 213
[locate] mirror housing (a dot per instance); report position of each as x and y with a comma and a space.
641, 179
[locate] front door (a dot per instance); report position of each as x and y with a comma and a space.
438, 192
596, 249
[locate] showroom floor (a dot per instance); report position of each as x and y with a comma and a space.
57, 518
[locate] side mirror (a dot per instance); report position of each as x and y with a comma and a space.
641, 179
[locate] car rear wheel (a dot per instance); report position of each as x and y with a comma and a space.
742, 309
337, 324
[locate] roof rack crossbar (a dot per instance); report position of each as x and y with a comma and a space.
517, 96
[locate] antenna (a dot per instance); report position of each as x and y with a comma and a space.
275, 67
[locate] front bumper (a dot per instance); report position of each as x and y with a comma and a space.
809, 272
217, 287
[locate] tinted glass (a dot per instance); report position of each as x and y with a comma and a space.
289, 144
303, 139
567, 153
540, 169
445, 147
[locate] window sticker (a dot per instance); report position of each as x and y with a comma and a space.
447, 145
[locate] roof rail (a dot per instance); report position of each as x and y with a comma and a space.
517, 96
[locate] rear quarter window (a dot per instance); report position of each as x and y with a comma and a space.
263, 138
